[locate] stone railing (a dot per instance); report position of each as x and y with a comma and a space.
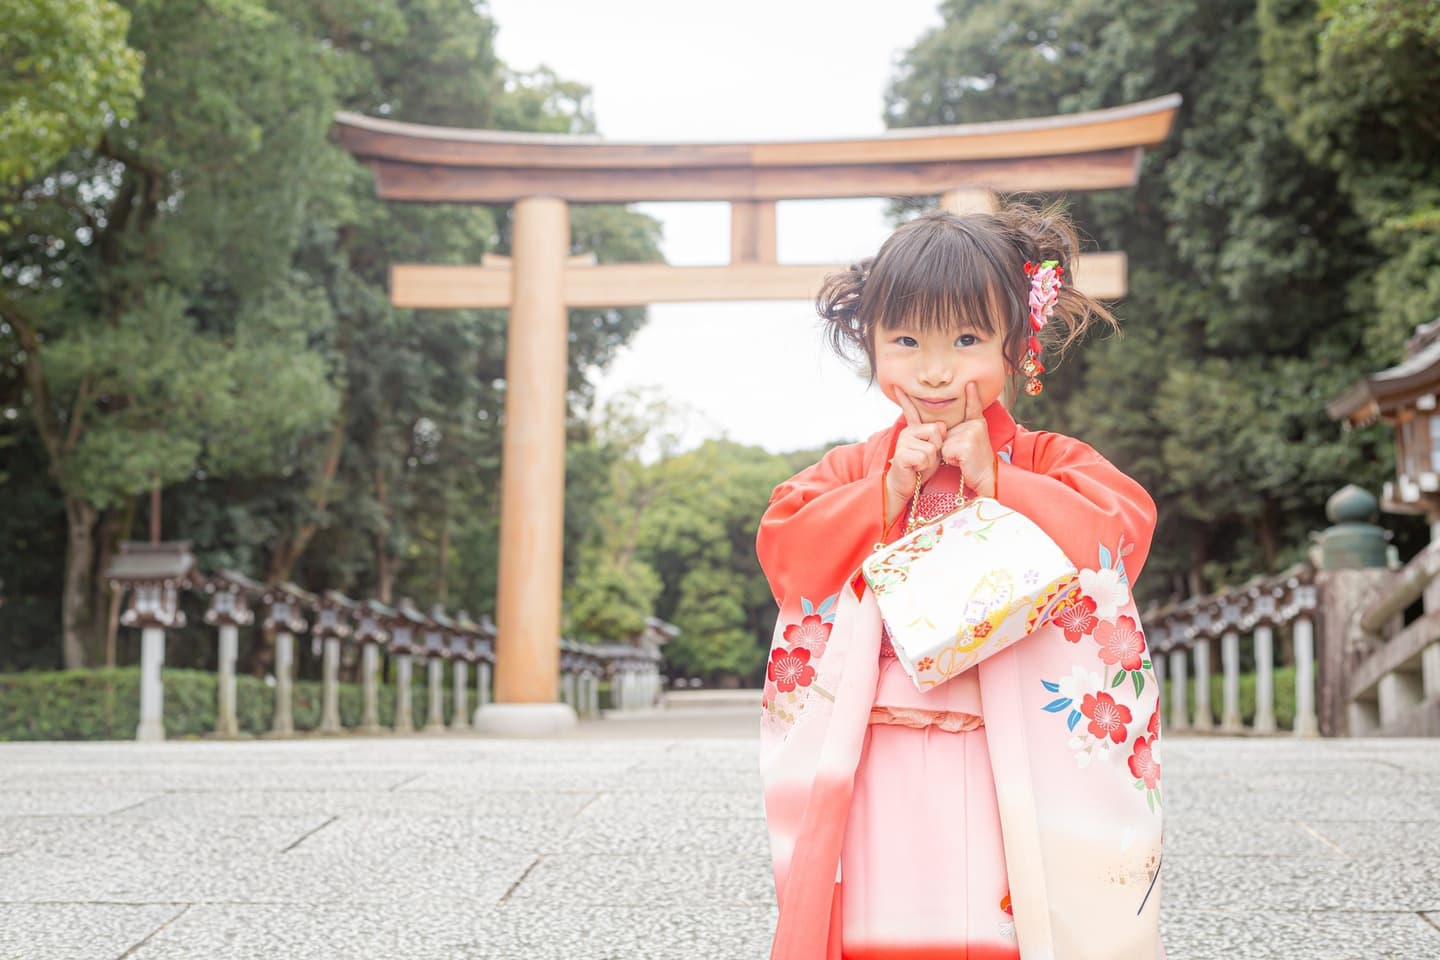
1360, 669
1391, 669
1253, 617
363, 630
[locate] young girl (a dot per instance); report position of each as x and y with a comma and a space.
1015, 809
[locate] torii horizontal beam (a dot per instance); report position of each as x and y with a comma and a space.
1085, 151
448, 287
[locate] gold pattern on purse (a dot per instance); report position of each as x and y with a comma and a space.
963, 585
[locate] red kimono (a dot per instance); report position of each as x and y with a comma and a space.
1014, 809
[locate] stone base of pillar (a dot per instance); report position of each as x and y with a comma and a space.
150, 731
432, 728
1307, 727
1232, 725
524, 719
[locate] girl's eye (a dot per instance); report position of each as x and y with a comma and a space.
907, 341
966, 340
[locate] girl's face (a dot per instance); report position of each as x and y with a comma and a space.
932, 368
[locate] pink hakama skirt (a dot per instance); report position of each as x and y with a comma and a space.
923, 864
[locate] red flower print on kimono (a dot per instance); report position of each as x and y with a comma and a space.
811, 633
1145, 767
1143, 763
1077, 618
1154, 725
790, 668
1121, 642
1107, 718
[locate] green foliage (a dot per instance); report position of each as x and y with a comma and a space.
196, 296
1284, 699
1253, 275
1355, 81
66, 74
674, 538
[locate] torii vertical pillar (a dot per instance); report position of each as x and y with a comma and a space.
532, 480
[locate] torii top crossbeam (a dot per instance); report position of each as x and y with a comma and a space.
1084, 151
541, 174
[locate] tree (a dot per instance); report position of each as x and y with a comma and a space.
67, 75
1354, 81
196, 299
1246, 300
148, 286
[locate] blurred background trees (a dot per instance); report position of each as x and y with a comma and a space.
1282, 243
193, 299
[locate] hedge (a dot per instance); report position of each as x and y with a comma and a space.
105, 704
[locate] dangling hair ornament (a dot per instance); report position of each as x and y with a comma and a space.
1045, 282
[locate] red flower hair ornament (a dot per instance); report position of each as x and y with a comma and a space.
1046, 279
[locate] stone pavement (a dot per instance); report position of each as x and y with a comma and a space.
637, 838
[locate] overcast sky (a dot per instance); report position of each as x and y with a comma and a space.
747, 70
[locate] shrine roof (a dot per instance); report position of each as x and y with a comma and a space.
1395, 388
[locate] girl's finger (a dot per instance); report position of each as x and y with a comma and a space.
907, 407
972, 402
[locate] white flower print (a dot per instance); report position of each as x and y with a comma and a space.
1088, 749
1106, 588
1079, 683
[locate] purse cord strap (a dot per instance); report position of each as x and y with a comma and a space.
916, 520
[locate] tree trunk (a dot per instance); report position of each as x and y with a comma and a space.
442, 575
288, 552
103, 594
384, 567
1267, 533
79, 573
1198, 558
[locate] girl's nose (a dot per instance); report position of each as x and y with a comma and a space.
935, 375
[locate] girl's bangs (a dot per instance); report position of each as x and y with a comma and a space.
945, 283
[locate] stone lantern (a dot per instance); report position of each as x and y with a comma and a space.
404, 644
464, 650
155, 574
372, 628
436, 634
230, 594
334, 617
485, 667
284, 617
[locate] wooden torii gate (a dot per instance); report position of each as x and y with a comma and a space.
541, 174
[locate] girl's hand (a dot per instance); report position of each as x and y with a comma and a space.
917, 451
967, 446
